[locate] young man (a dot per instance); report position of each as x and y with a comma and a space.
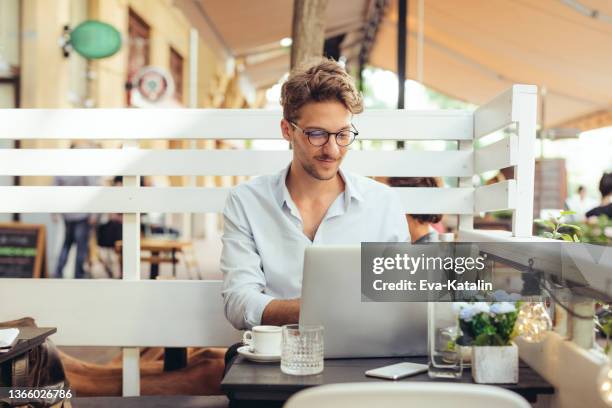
270, 220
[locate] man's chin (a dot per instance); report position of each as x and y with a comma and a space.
326, 174
322, 174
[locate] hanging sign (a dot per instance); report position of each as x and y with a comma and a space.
152, 85
94, 39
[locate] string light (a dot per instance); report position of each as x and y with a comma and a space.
604, 383
533, 322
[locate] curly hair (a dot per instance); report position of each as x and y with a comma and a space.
319, 80
419, 182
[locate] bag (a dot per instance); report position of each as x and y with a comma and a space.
40, 368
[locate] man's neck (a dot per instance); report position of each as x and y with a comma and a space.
304, 188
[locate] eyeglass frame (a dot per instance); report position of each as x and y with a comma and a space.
354, 131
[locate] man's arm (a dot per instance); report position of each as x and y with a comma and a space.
244, 281
280, 312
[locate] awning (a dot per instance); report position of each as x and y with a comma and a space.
250, 31
472, 49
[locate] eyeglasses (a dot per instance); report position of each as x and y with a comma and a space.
320, 137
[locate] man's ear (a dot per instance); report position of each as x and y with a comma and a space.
286, 130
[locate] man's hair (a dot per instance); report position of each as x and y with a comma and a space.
419, 182
319, 80
605, 184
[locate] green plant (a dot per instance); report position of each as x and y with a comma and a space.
502, 214
555, 228
603, 321
598, 232
484, 325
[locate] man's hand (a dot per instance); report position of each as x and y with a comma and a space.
280, 312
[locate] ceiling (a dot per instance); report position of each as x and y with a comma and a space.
251, 30
471, 49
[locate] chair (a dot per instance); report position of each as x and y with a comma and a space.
412, 394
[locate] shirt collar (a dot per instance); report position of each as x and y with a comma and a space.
351, 189
280, 189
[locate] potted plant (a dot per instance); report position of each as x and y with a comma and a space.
489, 329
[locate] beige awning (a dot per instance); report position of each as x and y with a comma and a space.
250, 31
472, 49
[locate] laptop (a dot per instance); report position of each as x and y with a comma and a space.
331, 297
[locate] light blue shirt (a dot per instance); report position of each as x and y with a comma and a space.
264, 242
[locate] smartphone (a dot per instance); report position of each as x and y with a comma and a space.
397, 371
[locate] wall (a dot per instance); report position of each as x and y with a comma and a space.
52, 81
9, 54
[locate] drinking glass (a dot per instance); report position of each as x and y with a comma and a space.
302, 349
445, 357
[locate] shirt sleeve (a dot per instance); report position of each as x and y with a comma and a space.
243, 278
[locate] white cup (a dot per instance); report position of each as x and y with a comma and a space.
264, 339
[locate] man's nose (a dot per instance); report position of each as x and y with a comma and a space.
331, 148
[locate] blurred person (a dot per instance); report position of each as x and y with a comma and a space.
605, 188
108, 232
421, 226
579, 203
77, 228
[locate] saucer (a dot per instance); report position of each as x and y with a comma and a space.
259, 358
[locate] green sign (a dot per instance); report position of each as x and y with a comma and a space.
94, 39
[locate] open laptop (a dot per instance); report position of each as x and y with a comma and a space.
331, 296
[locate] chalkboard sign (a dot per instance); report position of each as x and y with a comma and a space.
22, 251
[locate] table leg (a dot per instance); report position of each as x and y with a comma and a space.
174, 262
154, 268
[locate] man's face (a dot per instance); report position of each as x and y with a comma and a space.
320, 162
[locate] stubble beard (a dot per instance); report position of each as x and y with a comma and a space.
312, 171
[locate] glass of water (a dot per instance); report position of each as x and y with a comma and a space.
302, 349
445, 357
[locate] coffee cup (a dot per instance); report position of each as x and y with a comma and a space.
263, 339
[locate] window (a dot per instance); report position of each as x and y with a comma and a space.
176, 70
139, 33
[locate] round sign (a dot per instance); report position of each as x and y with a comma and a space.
94, 39
153, 84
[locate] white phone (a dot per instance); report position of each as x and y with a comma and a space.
397, 371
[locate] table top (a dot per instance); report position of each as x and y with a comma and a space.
151, 244
256, 381
153, 401
28, 338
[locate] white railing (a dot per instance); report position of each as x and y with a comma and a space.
133, 313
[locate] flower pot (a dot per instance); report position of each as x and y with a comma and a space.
495, 364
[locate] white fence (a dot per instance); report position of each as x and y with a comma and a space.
133, 313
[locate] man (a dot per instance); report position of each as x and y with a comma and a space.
270, 220
76, 228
